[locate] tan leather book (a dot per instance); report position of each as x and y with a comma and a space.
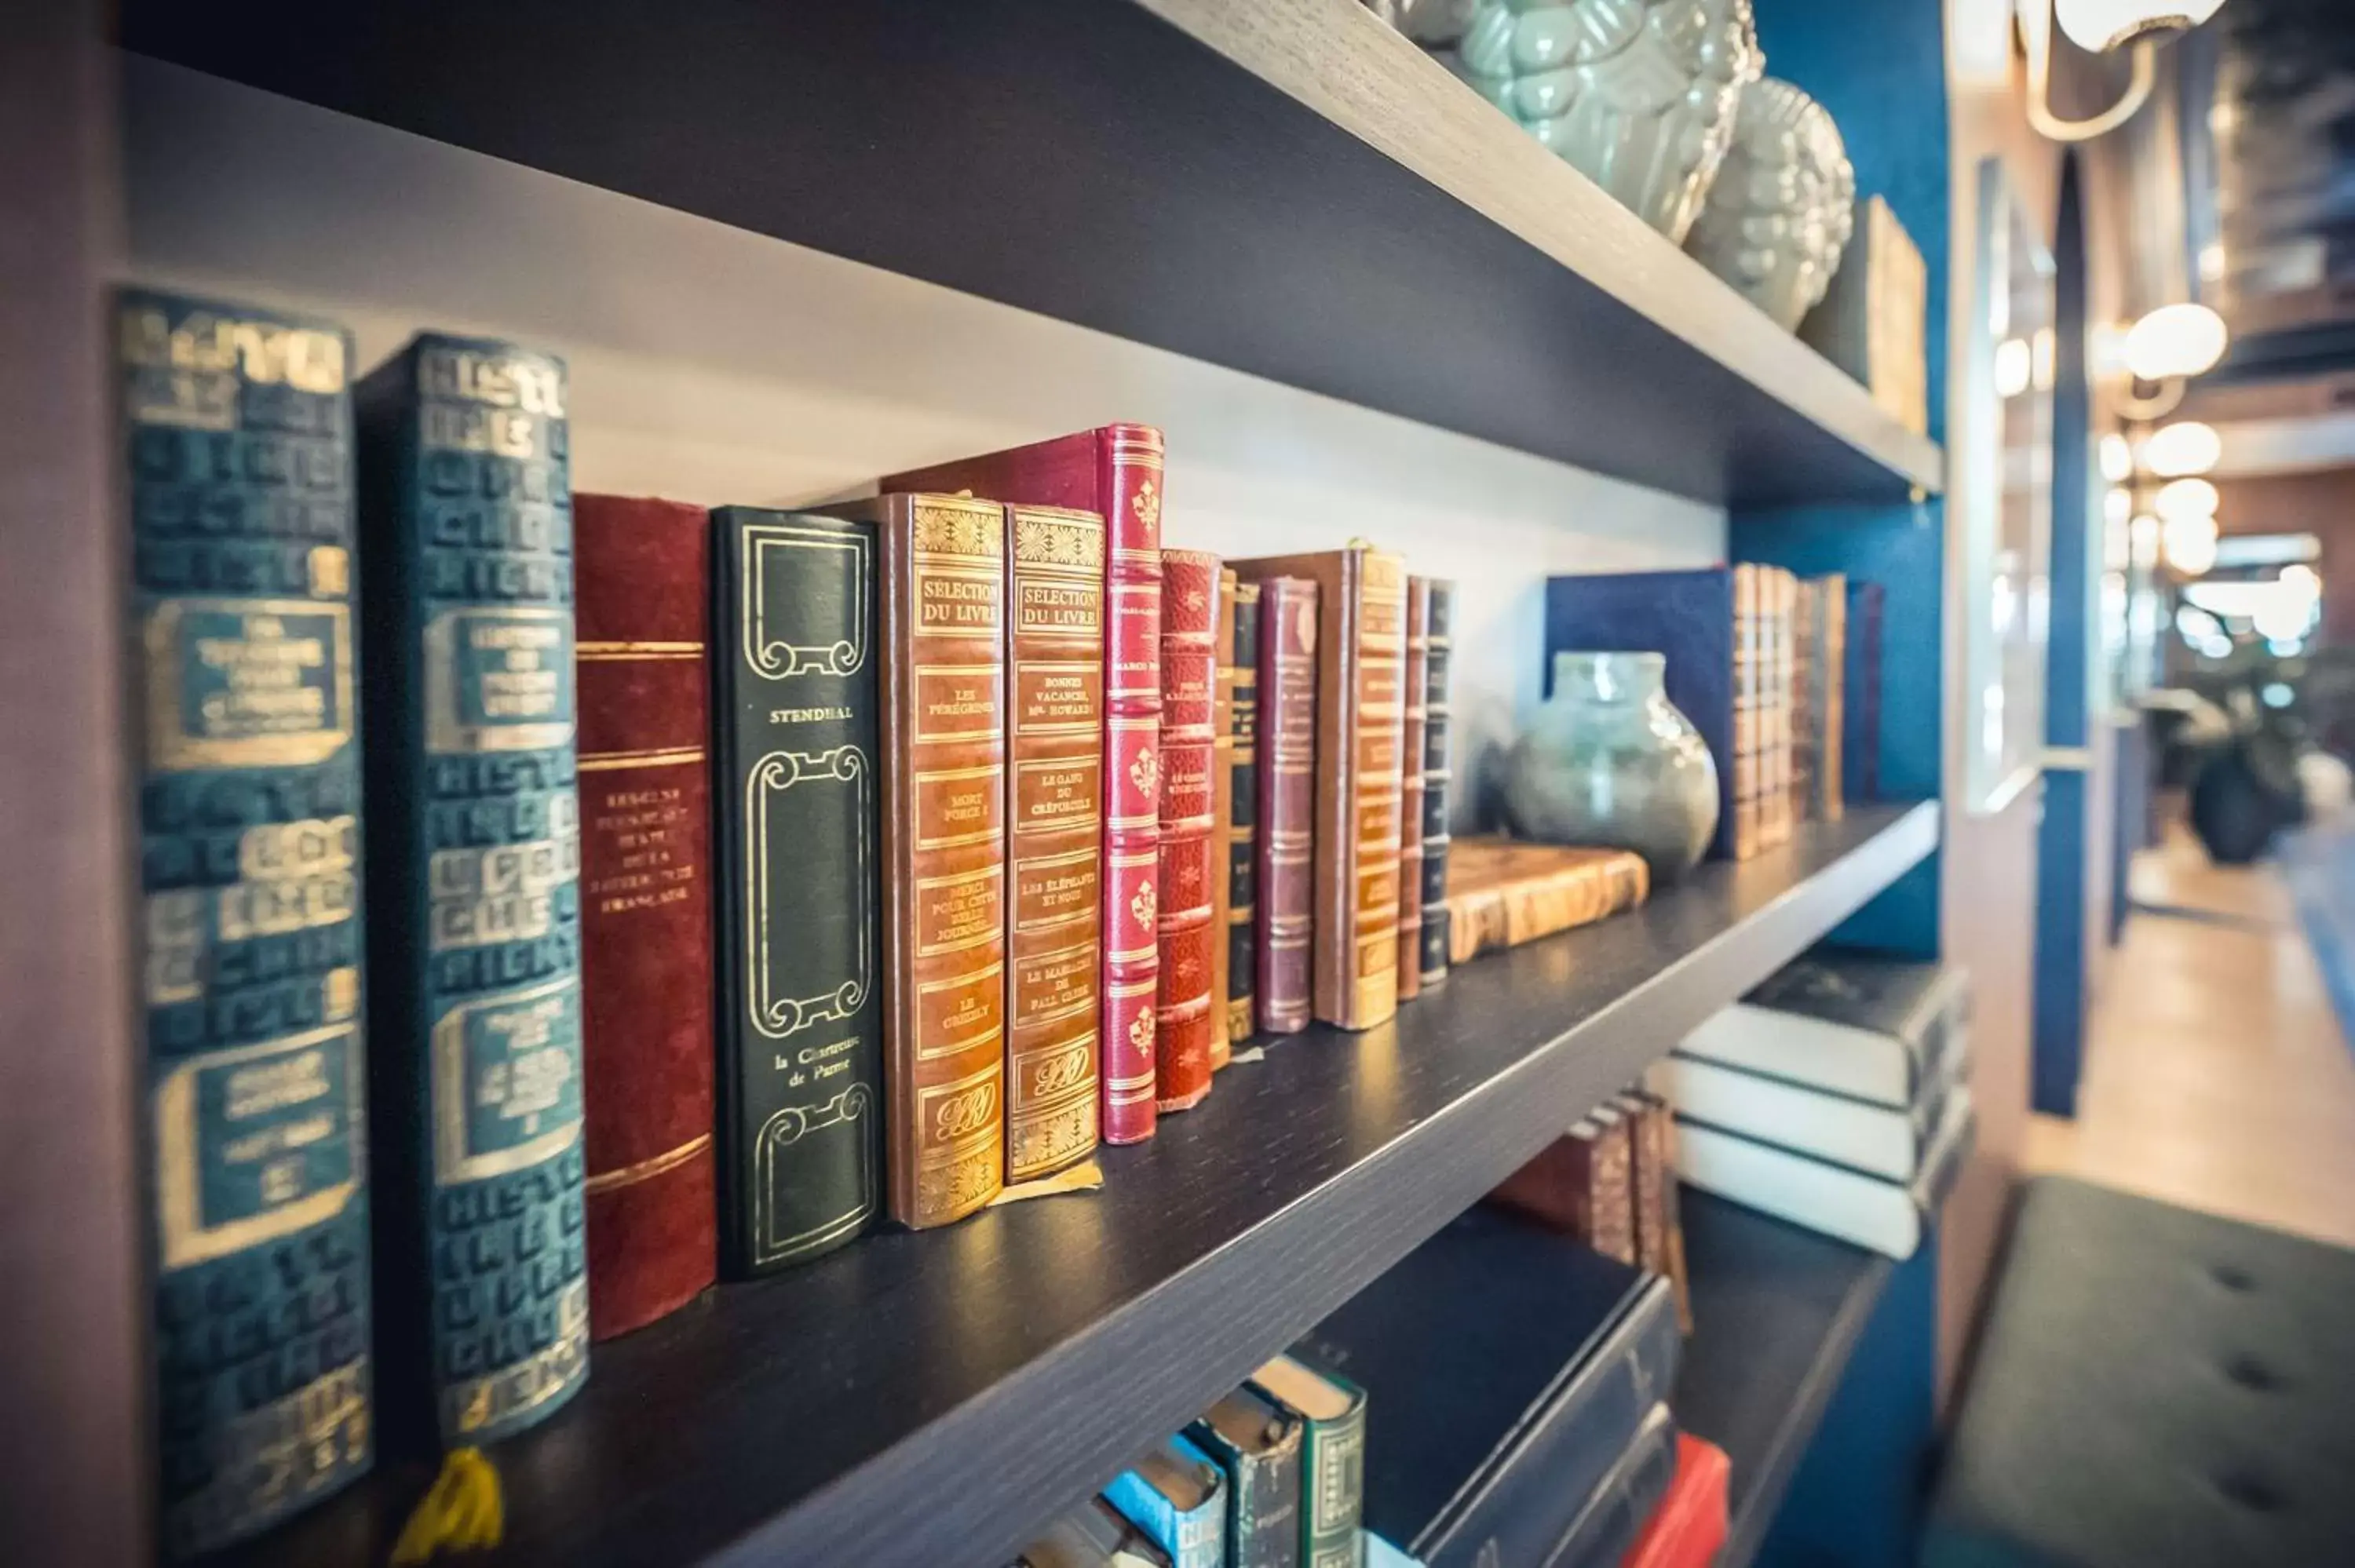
1502, 893
940, 594
1360, 732
1582, 1185
1409, 920
1222, 816
1054, 638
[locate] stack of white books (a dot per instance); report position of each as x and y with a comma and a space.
1837, 1097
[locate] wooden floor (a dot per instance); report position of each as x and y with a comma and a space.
2215, 1073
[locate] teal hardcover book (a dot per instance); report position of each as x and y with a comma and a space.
1178, 1499
474, 865
238, 426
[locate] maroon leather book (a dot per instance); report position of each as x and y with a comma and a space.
1182, 1003
1115, 471
640, 576
1287, 802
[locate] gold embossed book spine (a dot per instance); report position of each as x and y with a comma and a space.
238, 432
943, 591
1182, 1003
1222, 817
1054, 796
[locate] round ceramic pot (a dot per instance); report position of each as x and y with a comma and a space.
1779, 214
1610, 761
1639, 96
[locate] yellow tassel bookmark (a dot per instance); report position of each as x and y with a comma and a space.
463, 1511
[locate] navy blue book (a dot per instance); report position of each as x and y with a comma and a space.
1514, 1367
474, 855
1617, 1508
237, 431
1690, 618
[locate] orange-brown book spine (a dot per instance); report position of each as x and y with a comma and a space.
1055, 816
1501, 894
1190, 613
1361, 725
941, 594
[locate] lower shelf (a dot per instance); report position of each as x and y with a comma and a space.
1776, 1313
935, 1397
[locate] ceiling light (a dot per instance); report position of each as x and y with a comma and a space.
2185, 498
2142, 540
2117, 458
2183, 448
2190, 543
2175, 340
2100, 26
2117, 505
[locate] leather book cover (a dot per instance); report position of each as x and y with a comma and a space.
1780, 592
237, 426
1189, 609
1614, 1514
642, 614
1411, 745
1502, 892
941, 637
1178, 1496
1748, 774
1360, 722
1285, 927
1860, 728
1831, 696
1806, 719
1689, 1528
1257, 1443
1222, 814
1055, 808
1581, 1184
473, 869
796, 696
1242, 820
1649, 1173
1498, 1424
1697, 621
1115, 471
1331, 1408
1438, 775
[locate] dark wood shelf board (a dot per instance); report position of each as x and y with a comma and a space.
937, 1396
1777, 1311
1282, 187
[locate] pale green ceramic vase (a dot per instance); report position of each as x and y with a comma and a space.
1610, 761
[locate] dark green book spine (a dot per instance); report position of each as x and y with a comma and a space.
475, 863
238, 429
1333, 1489
796, 830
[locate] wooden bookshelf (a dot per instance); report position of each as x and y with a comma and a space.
938, 1396
1285, 187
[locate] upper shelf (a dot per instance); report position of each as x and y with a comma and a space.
936, 1397
1283, 186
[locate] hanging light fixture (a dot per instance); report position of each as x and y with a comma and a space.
2190, 497
2117, 458
2189, 543
2175, 341
2185, 447
2101, 25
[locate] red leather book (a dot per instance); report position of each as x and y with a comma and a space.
1689, 1528
1190, 615
640, 572
1409, 913
1115, 471
1287, 802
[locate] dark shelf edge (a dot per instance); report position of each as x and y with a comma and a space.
1418, 1183
1759, 1501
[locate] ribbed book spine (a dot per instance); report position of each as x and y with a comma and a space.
943, 710
1131, 461
643, 619
1189, 608
1831, 695
475, 862
1750, 724
237, 427
1222, 813
1410, 785
796, 705
1242, 821
1439, 619
1284, 932
1055, 788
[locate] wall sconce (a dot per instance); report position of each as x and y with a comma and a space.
2184, 448
2185, 498
2101, 26
2162, 352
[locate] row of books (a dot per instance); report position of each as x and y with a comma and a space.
1781, 674
734, 879
1837, 1097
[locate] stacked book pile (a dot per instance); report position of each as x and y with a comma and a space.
1836, 1095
